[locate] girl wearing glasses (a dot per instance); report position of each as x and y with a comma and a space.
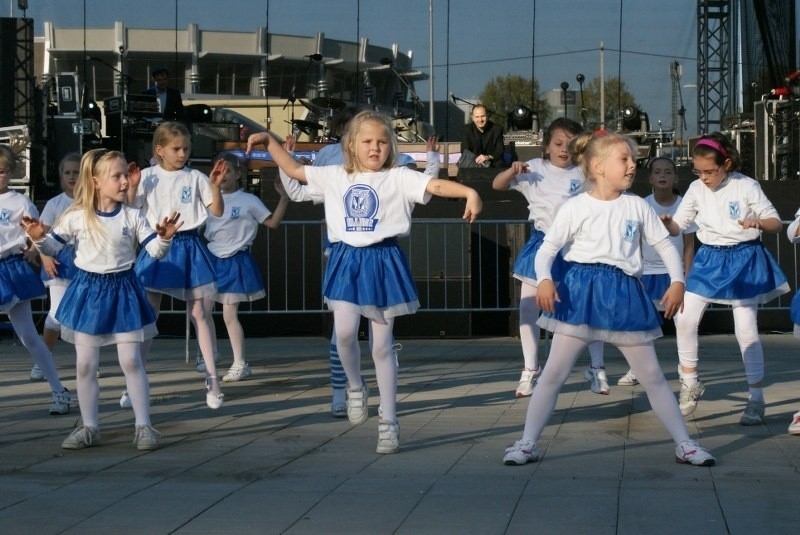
732, 266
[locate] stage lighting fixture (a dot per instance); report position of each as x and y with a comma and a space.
522, 118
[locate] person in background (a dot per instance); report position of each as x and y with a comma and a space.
483, 139
546, 183
19, 283
57, 272
229, 239
170, 103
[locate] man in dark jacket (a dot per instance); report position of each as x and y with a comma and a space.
483, 139
170, 102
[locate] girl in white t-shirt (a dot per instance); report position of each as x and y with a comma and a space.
793, 233
237, 274
545, 183
600, 296
732, 266
57, 272
105, 304
19, 283
663, 177
186, 272
368, 204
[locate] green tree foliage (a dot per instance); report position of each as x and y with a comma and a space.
616, 94
504, 93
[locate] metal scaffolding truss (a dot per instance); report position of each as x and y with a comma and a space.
24, 78
716, 64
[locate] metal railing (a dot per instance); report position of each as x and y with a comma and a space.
458, 267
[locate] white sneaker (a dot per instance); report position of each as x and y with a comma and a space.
357, 407
753, 413
61, 402
521, 452
201, 364
237, 372
388, 437
527, 380
690, 452
214, 401
689, 396
36, 373
629, 379
125, 401
794, 427
598, 379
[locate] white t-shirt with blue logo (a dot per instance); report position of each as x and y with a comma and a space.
236, 229
546, 187
161, 192
366, 208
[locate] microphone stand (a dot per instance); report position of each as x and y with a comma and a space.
293, 97
473, 104
580, 79
414, 98
125, 80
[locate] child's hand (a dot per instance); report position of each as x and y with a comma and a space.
474, 206
279, 187
259, 138
519, 167
33, 228
750, 223
431, 146
134, 176
289, 143
50, 265
169, 226
673, 299
218, 172
546, 296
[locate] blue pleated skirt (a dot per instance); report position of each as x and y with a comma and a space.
373, 281
601, 302
65, 269
523, 267
18, 282
742, 274
102, 309
795, 314
238, 279
655, 286
186, 272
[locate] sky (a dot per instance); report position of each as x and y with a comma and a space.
473, 40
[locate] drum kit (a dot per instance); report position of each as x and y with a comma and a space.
318, 120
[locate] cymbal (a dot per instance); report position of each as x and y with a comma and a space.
328, 103
310, 107
306, 126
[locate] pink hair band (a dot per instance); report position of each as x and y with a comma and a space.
708, 142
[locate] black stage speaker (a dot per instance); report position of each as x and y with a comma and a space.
69, 94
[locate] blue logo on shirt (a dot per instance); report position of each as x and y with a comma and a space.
235, 210
630, 229
574, 186
186, 195
5, 217
733, 210
360, 206
125, 231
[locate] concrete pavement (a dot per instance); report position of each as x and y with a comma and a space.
272, 460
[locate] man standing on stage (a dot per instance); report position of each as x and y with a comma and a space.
169, 99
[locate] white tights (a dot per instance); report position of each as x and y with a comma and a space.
642, 360
745, 321
346, 327
22, 321
130, 360
529, 331
56, 294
